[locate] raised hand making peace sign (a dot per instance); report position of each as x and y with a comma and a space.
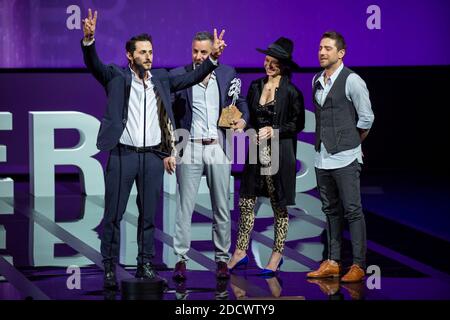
218, 44
89, 26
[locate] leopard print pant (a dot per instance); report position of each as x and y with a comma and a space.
247, 220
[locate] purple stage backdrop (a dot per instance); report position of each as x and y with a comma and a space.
46, 33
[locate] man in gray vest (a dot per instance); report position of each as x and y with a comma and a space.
343, 119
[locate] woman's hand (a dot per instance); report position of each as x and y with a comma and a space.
265, 133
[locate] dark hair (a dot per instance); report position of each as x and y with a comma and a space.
131, 44
202, 36
336, 36
285, 69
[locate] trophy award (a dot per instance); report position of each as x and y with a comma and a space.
231, 113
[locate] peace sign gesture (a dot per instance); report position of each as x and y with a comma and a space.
89, 25
218, 44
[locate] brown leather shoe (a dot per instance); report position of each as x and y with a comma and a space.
355, 274
356, 290
329, 286
328, 268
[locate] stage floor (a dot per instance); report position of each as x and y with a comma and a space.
40, 237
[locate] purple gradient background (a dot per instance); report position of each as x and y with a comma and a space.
34, 33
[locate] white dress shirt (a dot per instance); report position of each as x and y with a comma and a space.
133, 134
205, 109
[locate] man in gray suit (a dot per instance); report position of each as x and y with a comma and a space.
197, 110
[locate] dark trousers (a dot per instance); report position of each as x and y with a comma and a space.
124, 167
341, 199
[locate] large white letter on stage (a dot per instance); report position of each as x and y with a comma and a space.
83, 228
44, 157
6, 184
306, 177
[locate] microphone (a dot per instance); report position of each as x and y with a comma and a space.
141, 73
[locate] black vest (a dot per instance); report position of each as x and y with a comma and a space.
336, 119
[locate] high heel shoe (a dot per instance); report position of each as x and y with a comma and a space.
242, 262
271, 273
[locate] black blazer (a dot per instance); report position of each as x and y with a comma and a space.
289, 107
289, 119
117, 83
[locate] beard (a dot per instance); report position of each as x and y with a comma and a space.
140, 68
329, 63
140, 64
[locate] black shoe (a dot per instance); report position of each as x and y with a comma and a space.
145, 271
109, 294
109, 278
221, 289
179, 274
180, 290
222, 271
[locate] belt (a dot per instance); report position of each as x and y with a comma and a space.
204, 141
155, 148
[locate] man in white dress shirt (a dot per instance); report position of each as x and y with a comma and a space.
137, 130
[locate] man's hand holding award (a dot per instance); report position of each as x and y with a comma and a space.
231, 116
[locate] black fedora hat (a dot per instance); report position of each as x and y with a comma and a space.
282, 50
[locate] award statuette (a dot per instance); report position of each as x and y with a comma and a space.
231, 112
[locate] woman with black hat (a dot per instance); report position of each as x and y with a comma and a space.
274, 103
